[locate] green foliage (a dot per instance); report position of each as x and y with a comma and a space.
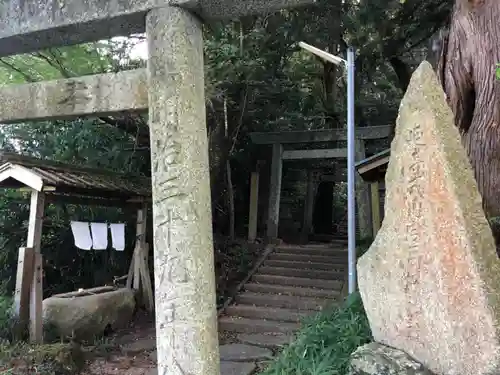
50, 359
362, 246
6, 320
325, 343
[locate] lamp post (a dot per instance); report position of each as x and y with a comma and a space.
351, 200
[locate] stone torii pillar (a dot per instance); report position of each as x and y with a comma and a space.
186, 318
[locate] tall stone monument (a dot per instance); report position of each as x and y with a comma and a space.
430, 282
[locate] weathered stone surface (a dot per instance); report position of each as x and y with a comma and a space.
89, 315
141, 345
265, 341
378, 359
236, 368
186, 314
96, 94
243, 353
430, 281
35, 25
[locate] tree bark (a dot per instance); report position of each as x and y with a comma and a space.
467, 73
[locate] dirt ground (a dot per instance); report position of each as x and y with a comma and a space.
131, 351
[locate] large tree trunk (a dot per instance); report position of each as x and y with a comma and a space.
467, 71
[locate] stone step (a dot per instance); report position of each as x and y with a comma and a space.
245, 325
292, 290
237, 368
228, 367
323, 251
271, 341
299, 281
268, 313
280, 301
294, 272
305, 265
314, 245
243, 353
307, 258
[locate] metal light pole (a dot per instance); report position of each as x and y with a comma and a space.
351, 191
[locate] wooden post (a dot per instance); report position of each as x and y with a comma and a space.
147, 288
375, 200
275, 192
362, 196
35, 223
254, 206
24, 279
186, 313
309, 205
140, 240
139, 276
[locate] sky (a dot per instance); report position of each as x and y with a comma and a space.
140, 50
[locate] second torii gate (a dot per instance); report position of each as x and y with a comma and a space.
186, 318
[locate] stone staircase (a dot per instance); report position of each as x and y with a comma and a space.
293, 282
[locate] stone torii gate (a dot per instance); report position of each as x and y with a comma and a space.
172, 88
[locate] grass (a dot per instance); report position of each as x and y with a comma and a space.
47, 359
6, 321
19, 358
325, 343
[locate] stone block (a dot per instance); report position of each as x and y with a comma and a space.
378, 359
430, 281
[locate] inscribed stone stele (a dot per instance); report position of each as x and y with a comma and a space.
430, 282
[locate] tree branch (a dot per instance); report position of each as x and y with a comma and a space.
26, 76
56, 63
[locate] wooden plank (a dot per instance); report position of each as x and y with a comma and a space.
315, 154
22, 175
36, 300
34, 240
29, 26
375, 164
309, 205
24, 280
147, 288
362, 196
35, 221
94, 201
95, 95
275, 192
140, 235
254, 205
130, 275
375, 202
311, 136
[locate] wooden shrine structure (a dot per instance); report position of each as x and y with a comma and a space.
372, 170
281, 142
50, 181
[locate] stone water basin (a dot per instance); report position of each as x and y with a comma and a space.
86, 314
